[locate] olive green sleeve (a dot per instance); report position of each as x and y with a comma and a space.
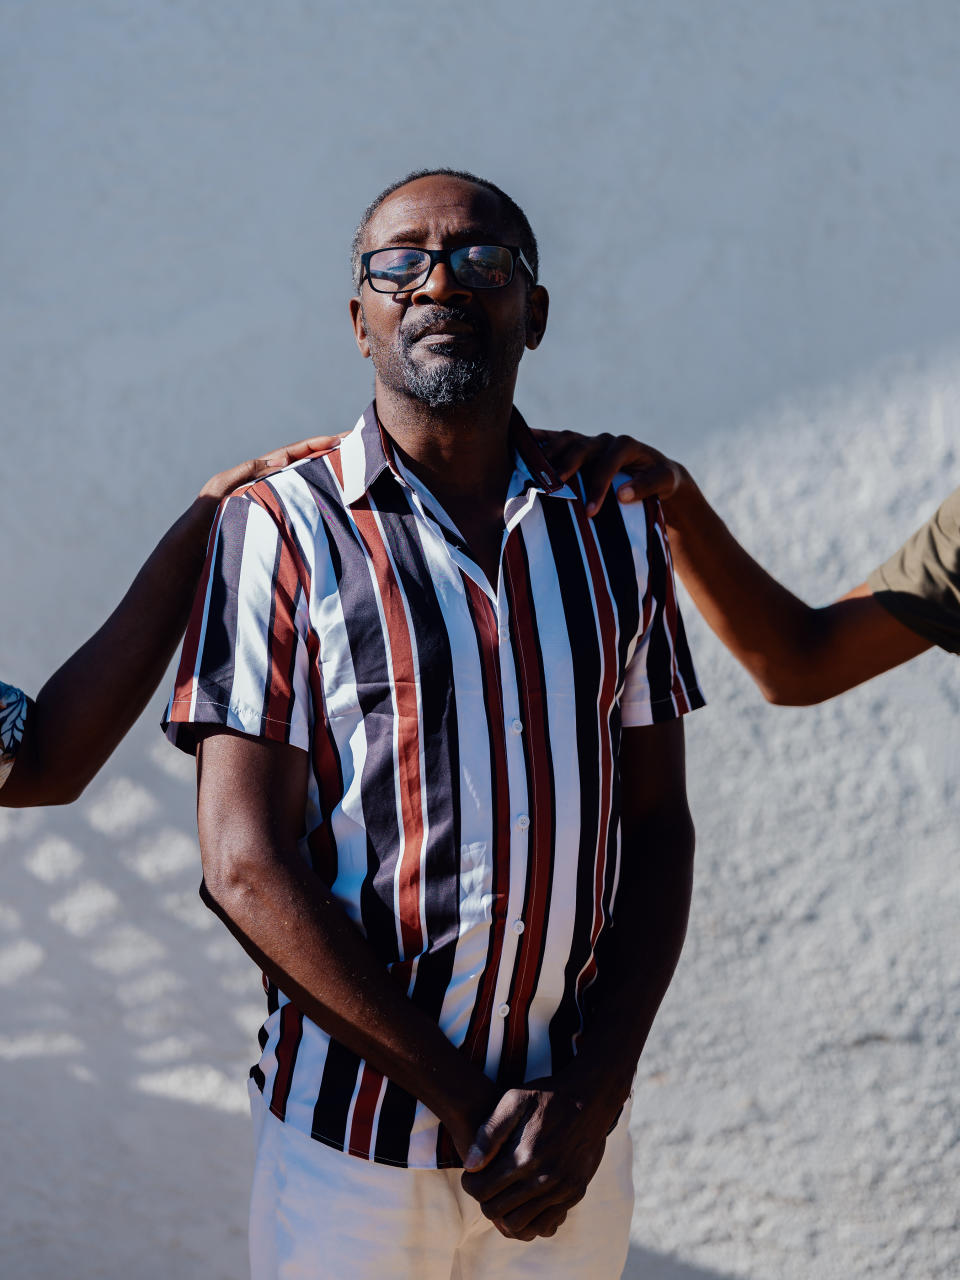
920, 583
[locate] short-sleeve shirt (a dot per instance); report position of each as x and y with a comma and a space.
14, 705
463, 794
920, 584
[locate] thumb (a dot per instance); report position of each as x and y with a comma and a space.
493, 1133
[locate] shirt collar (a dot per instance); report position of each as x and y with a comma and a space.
365, 453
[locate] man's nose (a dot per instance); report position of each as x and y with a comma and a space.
441, 287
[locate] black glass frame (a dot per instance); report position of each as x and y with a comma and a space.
445, 256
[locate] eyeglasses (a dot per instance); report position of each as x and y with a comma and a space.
475, 266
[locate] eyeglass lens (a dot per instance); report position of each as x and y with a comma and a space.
477, 266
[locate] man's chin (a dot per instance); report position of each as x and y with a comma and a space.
443, 397
443, 381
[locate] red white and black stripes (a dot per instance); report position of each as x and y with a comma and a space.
463, 802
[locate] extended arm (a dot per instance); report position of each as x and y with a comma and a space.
251, 802
87, 706
542, 1145
797, 654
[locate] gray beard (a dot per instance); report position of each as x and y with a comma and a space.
445, 383
441, 385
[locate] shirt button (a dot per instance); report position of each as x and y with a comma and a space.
503, 1010
523, 822
516, 726
518, 926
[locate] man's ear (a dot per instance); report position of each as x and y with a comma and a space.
359, 328
538, 304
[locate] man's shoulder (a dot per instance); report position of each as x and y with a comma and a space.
289, 491
319, 470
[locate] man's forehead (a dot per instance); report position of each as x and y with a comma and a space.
437, 206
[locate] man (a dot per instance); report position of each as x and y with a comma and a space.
441, 791
797, 654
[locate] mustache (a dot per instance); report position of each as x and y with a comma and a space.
428, 319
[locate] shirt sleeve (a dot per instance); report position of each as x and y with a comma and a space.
244, 662
920, 583
660, 682
14, 706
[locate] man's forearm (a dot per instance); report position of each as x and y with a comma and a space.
288, 921
770, 630
797, 654
649, 927
88, 705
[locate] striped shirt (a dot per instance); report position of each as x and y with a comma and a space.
463, 795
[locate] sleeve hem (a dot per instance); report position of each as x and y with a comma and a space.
660, 710
239, 709
181, 730
904, 607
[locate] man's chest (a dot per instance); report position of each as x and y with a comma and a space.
405, 623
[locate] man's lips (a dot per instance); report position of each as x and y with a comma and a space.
441, 324
448, 329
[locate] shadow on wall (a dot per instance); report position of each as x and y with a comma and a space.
644, 1265
127, 1023
102, 1189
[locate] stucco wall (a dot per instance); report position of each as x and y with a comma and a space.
737, 203
748, 216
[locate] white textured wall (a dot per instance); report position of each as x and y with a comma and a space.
178, 184
748, 216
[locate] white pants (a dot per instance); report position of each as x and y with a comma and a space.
316, 1212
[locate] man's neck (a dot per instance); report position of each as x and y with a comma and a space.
460, 452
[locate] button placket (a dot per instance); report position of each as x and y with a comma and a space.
520, 824
503, 621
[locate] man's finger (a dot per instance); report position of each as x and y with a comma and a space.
225, 482
493, 1133
567, 451
288, 453
522, 1201
549, 439
657, 481
620, 454
314, 444
545, 1224
597, 480
568, 459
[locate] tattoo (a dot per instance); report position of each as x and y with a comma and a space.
13, 715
